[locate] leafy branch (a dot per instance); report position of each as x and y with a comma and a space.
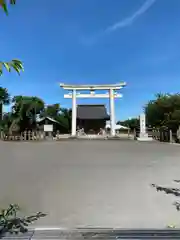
12, 223
13, 64
3, 4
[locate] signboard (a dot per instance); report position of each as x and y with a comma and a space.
48, 128
143, 123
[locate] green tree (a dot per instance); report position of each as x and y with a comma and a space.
25, 110
7, 121
4, 100
66, 116
164, 111
132, 123
62, 115
51, 111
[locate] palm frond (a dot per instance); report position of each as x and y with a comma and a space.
3, 4
15, 64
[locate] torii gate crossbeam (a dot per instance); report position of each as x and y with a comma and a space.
111, 94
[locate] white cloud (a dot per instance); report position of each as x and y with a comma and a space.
90, 40
129, 20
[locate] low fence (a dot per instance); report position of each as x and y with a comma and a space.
33, 136
24, 136
157, 134
162, 135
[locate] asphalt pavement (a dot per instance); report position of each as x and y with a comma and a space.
91, 183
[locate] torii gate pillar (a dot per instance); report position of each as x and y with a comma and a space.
74, 113
112, 94
112, 112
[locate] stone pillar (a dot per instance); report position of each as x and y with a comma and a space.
170, 136
112, 113
143, 135
74, 113
143, 132
178, 134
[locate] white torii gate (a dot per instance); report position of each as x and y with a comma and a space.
75, 93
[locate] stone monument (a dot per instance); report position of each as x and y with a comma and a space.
143, 135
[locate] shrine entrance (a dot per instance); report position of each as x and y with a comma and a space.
75, 91
92, 118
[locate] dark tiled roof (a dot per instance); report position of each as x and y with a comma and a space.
52, 120
92, 112
48, 118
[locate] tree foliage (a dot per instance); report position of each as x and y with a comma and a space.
25, 110
132, 123
14, 64
4, 4
62, 115
11, 222
7, 121
65, 117
51, 111
4, 96
164, 110
161, 112
4, 100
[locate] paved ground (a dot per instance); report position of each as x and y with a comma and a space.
91, 183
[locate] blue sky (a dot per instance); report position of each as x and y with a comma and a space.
93, 41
